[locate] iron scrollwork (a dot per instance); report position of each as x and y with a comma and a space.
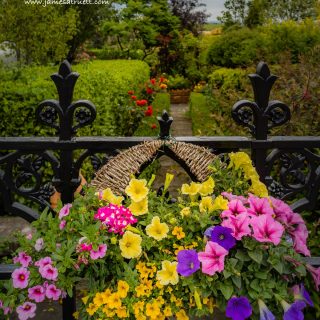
261, 115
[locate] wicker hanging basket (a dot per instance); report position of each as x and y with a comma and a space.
116, 173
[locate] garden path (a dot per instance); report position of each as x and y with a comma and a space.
181, 126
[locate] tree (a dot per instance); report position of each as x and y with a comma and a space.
235, 12
38, 34
191, 13
256, 13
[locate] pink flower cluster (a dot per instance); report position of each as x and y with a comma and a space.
64, 212
265, 220
6, 310
94, 254
37, 293
116, 218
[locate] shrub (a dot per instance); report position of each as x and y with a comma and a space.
105, 83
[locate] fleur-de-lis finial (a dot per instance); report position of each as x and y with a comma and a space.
165, 122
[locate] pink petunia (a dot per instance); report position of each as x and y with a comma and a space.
100, 253
259, 206
43, 262
20, 278
299, 237
62, 224
37, 293
85, 247
235, 207
212, 258
52, 292
26, 311
266, 229
49, 272
39, 244
65, 210
315, 272
239, 225
23, 259
280, 208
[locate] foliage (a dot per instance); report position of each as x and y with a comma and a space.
133, 262
38, 34
105, 83
179, 82
244, 47
191, 14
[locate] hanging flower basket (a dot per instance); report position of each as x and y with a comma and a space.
224, 243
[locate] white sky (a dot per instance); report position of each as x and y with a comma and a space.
214, 7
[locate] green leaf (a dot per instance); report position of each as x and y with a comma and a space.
226, 289
237, 281
256, 256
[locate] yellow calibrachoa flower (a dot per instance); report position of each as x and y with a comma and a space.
91, 309
122, 312
168, 274
207, 187
140, 317
139, 208
181, 315
123, 288
85, 299
106, 295
206, 204
185, 212
109, 313
130, 245
178, 232
138, 306
169, 178
239, 159
167, 311
98, 300
220, 203
76, 315
192, 189
114, 301
156, 229
153, 310
137, 189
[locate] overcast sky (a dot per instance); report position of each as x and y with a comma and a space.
214, 7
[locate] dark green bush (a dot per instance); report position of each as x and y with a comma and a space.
105, 83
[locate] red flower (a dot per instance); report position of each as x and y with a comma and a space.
153, 81
149, 90
133, 97
148, 112
153, 126
162, 79
141, 103
130, 92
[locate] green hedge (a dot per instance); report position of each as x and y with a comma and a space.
105, 83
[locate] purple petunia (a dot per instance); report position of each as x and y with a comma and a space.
238, 308
188, 262
294, 311
306, 296
265, 313
223, 236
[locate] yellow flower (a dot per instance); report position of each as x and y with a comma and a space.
138, 306
123, 288
159, 285
139, 208
122, 312
140, 266
178, 232
109, 313
207, 187
185, 212
91, 309
85, 299
137, 189
167, 311
156, 229
106, 295
130, 245
160, 300
76, 315
163, 86
114, 301
220, 203
168, 274
239, 159
206, 204
98, 300
147, 283
250, 172
258, 188
152, 310
192, 189
140, 317
169, 178
181, 315
110, 197
140, 290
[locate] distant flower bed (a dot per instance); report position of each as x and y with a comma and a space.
223, 243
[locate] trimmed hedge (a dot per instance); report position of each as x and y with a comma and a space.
105, 83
